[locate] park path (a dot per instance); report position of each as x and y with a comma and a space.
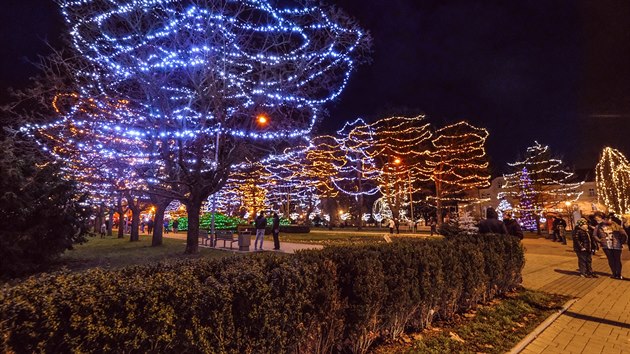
599, 322
285, 247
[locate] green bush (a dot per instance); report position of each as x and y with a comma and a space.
340, 299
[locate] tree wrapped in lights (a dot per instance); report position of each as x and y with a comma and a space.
193, 76
539, 183
527, 208
613, 181
294, 183
458, 163
356, 174
503, 207
399, 146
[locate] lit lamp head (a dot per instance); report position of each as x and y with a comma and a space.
397, 161
262, 119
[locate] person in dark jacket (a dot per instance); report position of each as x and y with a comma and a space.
275, 230
512, 226
584, 246
559, 230
261, 224
492, 224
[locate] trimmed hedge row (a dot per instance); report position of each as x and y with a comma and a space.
340, 299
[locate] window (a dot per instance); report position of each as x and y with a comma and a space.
591, 192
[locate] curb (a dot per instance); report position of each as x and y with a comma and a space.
541, 327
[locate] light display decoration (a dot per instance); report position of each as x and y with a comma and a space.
538, 184
189, 79
504, 206
398, 146
357, 175
458, 164
612, 175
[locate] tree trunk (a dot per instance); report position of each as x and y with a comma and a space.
438, 203
110, 225
134, 235
158, 221
192, 237
360, 207
121, 218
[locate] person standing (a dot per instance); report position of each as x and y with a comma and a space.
261, 224
142, 224
166, 226
584, 246
512, 226
150, 226
275, 229
611, 238
433, 225
103, 230
492, 224
175, 225
559, 230
391, 225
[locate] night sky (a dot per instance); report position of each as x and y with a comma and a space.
553, 71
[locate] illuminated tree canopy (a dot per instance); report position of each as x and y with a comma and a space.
174, 87
613, 181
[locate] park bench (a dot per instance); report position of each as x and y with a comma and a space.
225, 236
204, 239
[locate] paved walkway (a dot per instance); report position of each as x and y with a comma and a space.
599, 322
285, 247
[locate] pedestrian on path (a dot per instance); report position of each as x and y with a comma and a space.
512, 226
433, 225
150, 226
261, 224
391, 225
584, 247
275, 229
175, 225
492, 224
611, 237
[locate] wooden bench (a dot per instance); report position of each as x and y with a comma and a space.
226, 236
204, 239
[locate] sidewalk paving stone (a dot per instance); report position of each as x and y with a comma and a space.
599, 322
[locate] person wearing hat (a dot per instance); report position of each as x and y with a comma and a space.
611, 237
584, 246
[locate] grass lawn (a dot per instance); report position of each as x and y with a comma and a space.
343, 236
492, 328
111, 252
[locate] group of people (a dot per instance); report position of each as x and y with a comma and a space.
261, 224
492, 224
604, 232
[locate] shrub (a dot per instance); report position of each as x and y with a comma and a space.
340, 299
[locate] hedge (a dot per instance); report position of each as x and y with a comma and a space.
340, 299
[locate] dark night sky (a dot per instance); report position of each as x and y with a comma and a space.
556, 71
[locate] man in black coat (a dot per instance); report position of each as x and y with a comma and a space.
492, 224
512, 226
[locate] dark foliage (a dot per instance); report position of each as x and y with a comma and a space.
341, 299
40, 213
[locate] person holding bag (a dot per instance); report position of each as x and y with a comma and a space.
611, 237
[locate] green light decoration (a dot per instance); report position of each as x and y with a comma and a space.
221, 222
